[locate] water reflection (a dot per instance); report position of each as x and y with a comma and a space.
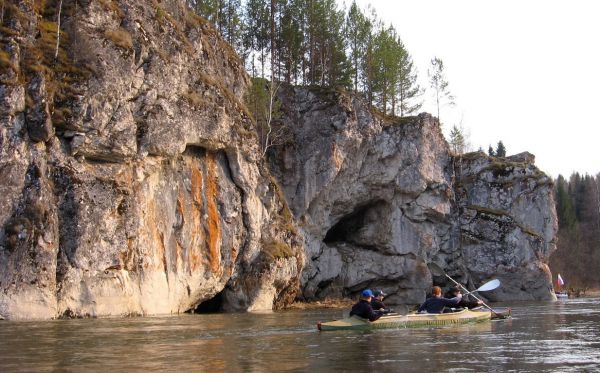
561, 336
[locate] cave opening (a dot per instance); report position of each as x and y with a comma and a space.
351, 223
212, 305
346, 226
195, 151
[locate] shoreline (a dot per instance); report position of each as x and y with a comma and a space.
581, 292
589, 293
321, 304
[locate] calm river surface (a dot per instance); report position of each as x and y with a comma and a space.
551, 337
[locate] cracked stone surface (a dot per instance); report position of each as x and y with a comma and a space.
508, 224
140, 188
379, 200
148, 195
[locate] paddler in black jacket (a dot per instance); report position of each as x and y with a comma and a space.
465, 303
377, 302
363, 307
436, 303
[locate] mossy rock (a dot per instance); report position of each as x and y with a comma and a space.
274, 249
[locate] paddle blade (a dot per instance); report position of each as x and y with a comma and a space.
436, 269
490, 285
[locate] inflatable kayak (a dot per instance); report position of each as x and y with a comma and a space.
413, 320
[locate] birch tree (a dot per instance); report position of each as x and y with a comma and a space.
439, 84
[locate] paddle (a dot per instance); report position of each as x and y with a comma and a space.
490, 285
439, 271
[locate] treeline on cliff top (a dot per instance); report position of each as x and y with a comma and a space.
318, 42
577, 258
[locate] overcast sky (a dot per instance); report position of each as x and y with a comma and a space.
525, 72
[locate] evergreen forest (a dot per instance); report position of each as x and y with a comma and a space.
321, 43
578, 208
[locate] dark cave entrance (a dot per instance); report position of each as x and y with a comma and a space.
212, 305
348, 225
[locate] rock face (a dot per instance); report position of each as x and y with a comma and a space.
379, 200
131, 177
132, 181
508, 224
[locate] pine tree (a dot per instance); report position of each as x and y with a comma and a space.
256, 33
291, 39
232, 23
225, 15
408, 88
337, 63
578, 212
368, 65
327, 60
209, 9
318, 42
491, 151
357, 31
317, 36
273, 9
385, 66
457, 140
564, 206
500, 149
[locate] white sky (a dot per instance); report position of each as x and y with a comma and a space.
525, 72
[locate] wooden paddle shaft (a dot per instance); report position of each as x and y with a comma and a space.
465, 290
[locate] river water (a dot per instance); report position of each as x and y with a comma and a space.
550, 337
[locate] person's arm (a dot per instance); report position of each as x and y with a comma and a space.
372, 314
470, 302
378, 305
452, 301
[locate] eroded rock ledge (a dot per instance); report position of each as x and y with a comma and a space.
378, 200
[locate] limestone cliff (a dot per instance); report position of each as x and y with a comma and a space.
131, 177
378, 200
508, 224
132, 181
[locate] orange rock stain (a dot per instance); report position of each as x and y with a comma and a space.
196, 234
213, 224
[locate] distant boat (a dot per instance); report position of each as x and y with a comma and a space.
559, 284
561, 295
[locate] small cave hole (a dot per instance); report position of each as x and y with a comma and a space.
212, 305
195, 150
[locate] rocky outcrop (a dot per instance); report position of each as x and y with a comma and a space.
508, 224
132, 181
374, 199
131, 177
378, 200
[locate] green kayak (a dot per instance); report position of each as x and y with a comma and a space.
413, 320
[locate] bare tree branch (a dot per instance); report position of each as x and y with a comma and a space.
58, 30
273, 88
